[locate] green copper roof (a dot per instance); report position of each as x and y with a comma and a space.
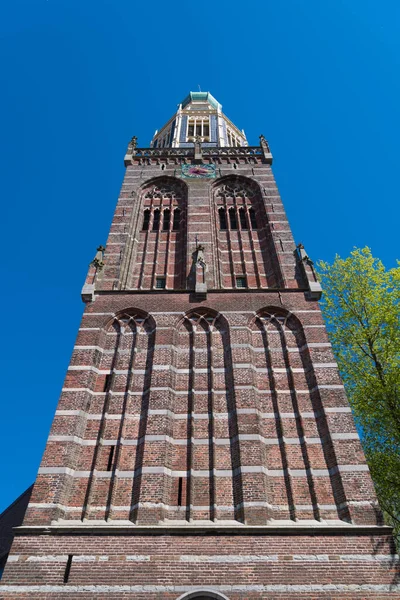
201, 97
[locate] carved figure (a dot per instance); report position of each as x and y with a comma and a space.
97, 262
264, 144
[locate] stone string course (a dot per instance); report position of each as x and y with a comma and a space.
185, 412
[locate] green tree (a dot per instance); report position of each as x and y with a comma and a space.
361, 304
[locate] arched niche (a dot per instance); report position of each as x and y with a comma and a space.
288, 389
204, 378
125, 374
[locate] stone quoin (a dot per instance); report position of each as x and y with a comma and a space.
203, 445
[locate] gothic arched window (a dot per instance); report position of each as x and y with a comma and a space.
246, 247
160, 241
242, 217
166, 219
177, 218
232, 218
253, 220
146, 220
156, 220
222, 218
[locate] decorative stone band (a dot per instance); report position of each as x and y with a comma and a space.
202, 442
217, 558
200, 370
152, 589
184, 393
202, 416
205, 473
256, 504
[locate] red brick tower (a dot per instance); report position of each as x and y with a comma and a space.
203, 446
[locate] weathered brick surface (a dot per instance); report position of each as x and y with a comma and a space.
245, 566
177, 411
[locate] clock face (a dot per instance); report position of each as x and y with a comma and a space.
198, 171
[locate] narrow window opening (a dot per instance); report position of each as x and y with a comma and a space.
107, 383
253, 219
110, 458
160, 283
241, 282
232, 218
177, 218
180, 486
222, 218
167, 218
162, 167
68, 568
243, 220
146, 220
156, 220
191, 130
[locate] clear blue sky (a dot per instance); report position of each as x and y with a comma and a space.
319, 78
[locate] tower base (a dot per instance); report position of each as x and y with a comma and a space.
343, 562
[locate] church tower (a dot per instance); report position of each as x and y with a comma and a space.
203, 445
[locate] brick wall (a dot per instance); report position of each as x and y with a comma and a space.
9, 518
219, 424
287, 565
237, 401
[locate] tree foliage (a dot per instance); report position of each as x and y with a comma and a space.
361, 304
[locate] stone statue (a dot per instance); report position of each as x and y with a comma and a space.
200, 271
198, 158
264, 144
97, 262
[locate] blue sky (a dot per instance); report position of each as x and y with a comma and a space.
319, 78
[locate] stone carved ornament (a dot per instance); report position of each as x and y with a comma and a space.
235, 190
163, 192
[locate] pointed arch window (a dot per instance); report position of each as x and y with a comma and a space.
232, 218
164, 202
253, 220
222, 219
146, 220
242, 217
176, 221
156, 220
166, 219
